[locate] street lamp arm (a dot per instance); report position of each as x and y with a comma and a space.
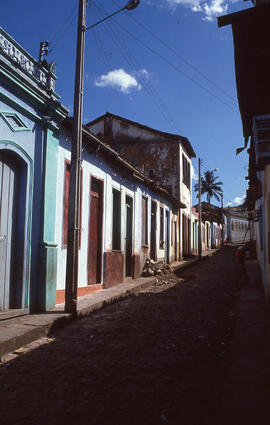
104, 19
132, 4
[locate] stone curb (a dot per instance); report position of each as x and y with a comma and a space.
19, 331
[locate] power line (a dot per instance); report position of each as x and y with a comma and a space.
174, 66
64, 27
181, 57
129, 57
105, 58
177, 69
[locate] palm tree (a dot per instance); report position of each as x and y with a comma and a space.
210, 186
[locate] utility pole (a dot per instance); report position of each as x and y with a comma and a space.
200, 213
74, 220
222, 223
75, 173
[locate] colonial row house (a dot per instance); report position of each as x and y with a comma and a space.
251, 32
213, 227
164, 158
238, 225
126, 216
30, 113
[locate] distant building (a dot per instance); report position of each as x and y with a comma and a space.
238, 228
212, 227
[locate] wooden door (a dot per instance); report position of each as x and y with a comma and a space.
153, 242
95, 231
128, 237
167, 239
175, 240
184, 235
188, 236
7, 228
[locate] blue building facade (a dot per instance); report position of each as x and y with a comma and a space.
30, 114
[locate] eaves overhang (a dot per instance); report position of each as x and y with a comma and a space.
92, 140
175, 137
251, 34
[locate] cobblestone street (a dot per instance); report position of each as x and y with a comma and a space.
154, 358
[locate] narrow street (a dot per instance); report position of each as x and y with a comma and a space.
154, 358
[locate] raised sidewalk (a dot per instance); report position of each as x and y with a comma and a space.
19, 331
246, 397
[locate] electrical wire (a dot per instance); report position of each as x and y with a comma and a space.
177, 69
59, 34
105, 58
129, 57
181, 57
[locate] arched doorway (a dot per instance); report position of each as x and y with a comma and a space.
13, 183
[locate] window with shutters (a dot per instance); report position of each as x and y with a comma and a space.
116, 220
186, 171
144, 221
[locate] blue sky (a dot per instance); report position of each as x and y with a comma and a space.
166, 65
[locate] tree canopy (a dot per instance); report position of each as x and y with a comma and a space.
210, 186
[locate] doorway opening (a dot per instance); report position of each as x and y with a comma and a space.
95, 231
128, 237
13, 184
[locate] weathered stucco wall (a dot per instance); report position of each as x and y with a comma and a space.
154, 154
113, 177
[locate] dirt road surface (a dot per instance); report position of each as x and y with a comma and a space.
155, 358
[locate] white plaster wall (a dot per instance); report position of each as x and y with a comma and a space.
97, 167
267, 228
262, 239
237, 234
194, 232
144, 191
88, 169
185, 193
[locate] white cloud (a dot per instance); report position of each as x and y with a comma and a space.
215, 8
196, 8
210, 9
238, 200
143, 72
119, 79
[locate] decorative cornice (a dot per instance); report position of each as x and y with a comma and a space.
25, 62
22, 73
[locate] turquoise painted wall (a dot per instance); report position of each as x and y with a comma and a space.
48, 245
